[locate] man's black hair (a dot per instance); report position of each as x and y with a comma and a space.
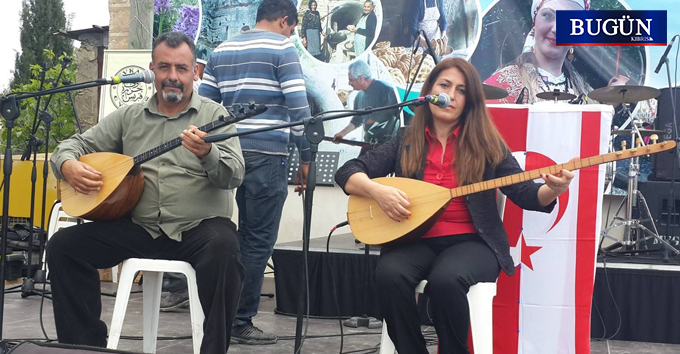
272, 10
174, 40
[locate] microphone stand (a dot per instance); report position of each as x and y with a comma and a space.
73, 104
314, 132
28, 284
420, 64
9, 109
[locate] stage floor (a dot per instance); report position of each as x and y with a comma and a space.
22, 321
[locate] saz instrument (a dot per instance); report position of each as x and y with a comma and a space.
122, 177
372, 226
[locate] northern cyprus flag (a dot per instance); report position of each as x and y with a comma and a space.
545, 306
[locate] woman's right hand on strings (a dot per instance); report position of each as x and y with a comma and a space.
392, 201
81, 176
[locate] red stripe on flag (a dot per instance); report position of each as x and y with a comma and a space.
512, 124
585, 231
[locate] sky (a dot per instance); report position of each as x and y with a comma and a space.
86, 13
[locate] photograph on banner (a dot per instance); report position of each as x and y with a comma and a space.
452, 27
222, 20
178, 16
518, 52
338, 31
368, 91
361, 83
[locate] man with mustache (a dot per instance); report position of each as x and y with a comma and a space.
183, 214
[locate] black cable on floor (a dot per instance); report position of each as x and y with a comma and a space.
335, 292
611, 294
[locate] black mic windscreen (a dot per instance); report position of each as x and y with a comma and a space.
520, 97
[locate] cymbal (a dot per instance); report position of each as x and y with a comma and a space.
643, 132
493, 92
555, 95
624, 94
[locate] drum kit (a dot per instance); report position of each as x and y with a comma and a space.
635, 234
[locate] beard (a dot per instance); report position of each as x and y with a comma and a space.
173, 96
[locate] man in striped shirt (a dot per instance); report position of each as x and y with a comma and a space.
261, 65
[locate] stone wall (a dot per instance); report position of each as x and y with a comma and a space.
119, 26
87, 100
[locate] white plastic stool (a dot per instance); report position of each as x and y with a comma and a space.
480, 297
153, 278
60, 220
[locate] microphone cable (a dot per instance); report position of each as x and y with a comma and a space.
335, 291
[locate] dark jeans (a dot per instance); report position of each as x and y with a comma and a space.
174, 282
75, 253
260, 202
451, 265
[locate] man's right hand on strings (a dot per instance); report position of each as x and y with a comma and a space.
81, 176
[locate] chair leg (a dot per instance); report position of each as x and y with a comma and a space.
124, 286
152, 304
386, 344
114, 274
196, 311
480, 298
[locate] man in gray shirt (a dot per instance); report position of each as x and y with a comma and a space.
378, 126
183, 214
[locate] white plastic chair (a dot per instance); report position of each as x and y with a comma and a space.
480, 298
153, 278
60, 220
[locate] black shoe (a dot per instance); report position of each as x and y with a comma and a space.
252, 335
173, 301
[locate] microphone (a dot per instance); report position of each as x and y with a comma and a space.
520, 97
441, 100
146, 76
665, 55
429, 48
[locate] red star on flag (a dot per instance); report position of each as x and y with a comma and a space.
521, 253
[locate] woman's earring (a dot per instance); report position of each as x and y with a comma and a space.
570, 57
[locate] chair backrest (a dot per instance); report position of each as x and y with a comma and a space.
500, 202
59, 219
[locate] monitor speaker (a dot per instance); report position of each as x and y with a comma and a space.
662, 163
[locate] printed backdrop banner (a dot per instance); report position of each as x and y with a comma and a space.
545, 306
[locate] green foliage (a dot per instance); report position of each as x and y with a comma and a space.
63, 125
40, 19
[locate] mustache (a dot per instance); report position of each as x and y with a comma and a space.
169, 83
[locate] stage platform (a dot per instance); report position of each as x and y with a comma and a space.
645, 290
637, 299
22, 321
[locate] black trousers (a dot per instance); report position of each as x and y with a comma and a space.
74, 254
451, 265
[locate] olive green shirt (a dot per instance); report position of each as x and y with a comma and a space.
180, 190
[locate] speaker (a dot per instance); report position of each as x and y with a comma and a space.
658, 197
56, 348
662, 163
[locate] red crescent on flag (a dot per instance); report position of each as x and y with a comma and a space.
536, 160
